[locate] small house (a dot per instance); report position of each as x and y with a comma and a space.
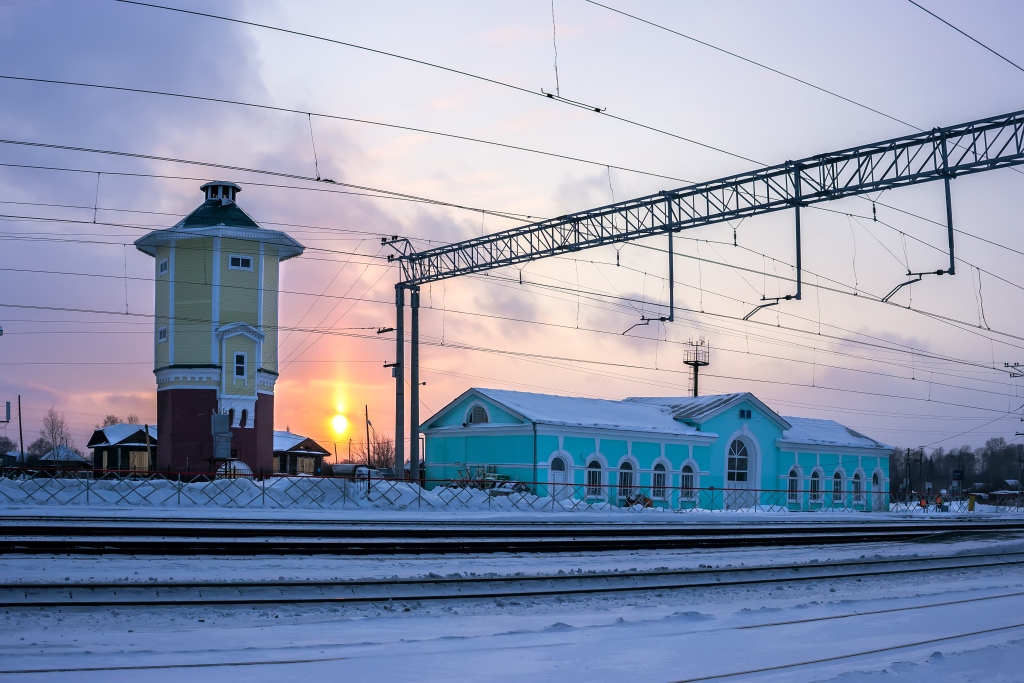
64, 456
124, 447
297, 454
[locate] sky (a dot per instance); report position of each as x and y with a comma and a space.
927, 370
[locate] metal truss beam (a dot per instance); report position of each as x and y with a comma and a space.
939, 154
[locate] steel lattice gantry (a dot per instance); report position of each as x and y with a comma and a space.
939, 154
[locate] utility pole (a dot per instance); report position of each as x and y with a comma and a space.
21, 436
399, 371
414, 379
367, 408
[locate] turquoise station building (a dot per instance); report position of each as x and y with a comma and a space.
719, 452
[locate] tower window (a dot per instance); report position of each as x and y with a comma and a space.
163, 267
161, 334
239, 365
236, 262
744, 414
477, 416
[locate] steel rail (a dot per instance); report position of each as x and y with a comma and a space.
340, 538
121, 594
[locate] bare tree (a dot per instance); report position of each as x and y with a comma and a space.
382, 452
132, 419
6, 445
56, 431
110, 421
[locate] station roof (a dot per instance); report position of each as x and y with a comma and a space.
698, 409
573, 411
812, 432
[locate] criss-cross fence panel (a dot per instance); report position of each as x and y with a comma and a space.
982, 145
41, 488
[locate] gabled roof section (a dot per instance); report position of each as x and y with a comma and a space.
571, 411
698, 409
63, 454
122, 435
296, 443
811, 432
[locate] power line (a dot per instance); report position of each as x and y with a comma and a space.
756, 63
432, 65
243, 169
336, 117
517, 217
969, 37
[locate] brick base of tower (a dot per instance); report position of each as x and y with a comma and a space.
186, 443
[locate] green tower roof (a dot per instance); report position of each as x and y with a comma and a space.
220, 216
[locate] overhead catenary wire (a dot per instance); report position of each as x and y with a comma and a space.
336, 117
968, 36
243, 169
755, 63
451, 70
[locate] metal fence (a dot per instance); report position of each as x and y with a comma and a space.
66, 487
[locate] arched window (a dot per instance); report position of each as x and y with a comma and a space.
626, 480
794, 485
477, 415
593, 478
231, 417
558, 465
739, 462
837, 487
658, 481
686, 483
875, 481
245, 417
858, 488
815, 487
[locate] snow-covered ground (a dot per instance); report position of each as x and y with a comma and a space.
652, 636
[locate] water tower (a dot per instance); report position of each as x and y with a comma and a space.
215, 336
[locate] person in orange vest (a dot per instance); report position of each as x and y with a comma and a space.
938, 502
924, 501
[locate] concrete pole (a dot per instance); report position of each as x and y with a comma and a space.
414, 378
399, 381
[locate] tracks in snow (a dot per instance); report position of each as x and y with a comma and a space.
124, 594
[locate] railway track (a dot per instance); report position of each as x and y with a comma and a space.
458, 587
184, 536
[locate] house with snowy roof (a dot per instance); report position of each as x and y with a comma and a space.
124, 447
728, 451
64, 456
297, 454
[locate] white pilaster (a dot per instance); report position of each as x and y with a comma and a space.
215, 309
170, 307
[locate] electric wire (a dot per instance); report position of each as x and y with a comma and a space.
459, 72
278, 174
756, 63
336, 117
969, 37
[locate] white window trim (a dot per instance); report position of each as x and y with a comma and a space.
163, 267
469, 414
160, 330
239, 257
234, 368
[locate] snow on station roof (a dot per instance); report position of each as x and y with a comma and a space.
571, 411
812, 432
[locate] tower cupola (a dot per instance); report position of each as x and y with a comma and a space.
219, 190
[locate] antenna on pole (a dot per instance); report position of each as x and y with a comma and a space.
697, 356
